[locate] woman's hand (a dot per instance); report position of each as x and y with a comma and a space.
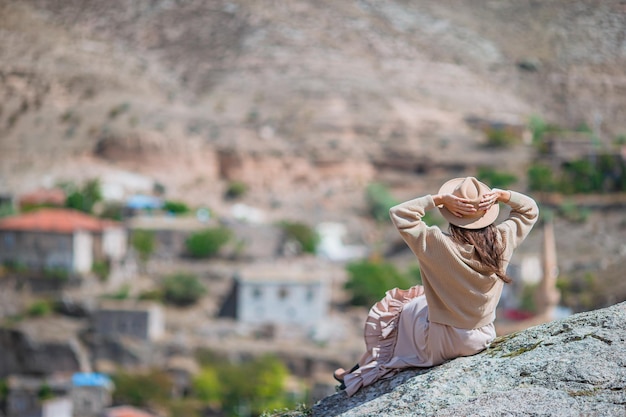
496, 195
458, 206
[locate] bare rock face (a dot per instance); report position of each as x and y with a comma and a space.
41, 346
570, 367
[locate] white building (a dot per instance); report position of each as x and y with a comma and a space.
332, 246
280, 294
65, 239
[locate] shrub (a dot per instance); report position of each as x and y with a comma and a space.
121, 294
570, 211
101, 269
6, 209
40, 308
182, 289
236, 189
496, 179
84, 199
143, 241
540, 128
303, 234
540, 178
208, 242
369, 280
142, 389
4, 390
379, 201
257, 383
415, 274
151, 295
207, 386
57, 273
175, 207
500, 138
113, 211
580, 176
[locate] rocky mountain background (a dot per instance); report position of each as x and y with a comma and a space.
306, 102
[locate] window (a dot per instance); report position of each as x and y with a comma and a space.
283, 293
310, 294
9, 240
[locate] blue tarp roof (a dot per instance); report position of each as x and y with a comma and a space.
91, 379
141, 201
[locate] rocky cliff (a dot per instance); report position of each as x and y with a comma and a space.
570, 367
302, 100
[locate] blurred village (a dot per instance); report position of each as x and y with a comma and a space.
101, 282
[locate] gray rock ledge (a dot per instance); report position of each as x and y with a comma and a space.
570, 367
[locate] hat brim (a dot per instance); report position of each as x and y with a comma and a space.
485, 220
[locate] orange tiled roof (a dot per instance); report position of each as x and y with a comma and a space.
56, 221
126, 411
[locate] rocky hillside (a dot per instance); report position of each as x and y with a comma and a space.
572, 367
306, 101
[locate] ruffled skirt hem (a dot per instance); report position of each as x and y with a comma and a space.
380, 334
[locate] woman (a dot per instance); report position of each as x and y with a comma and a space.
463, 273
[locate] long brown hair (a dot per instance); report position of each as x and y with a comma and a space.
487, 247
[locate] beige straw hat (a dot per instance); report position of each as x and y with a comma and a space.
473, 190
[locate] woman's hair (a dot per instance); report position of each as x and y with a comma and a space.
487, 247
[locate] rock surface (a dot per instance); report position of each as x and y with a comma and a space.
570, 367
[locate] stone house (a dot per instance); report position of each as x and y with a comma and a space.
141, 321
82, 395
90, 393
279, 293
60, 239
37, 397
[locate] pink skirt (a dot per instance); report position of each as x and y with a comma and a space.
398, 335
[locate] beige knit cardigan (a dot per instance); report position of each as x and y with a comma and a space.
458, 290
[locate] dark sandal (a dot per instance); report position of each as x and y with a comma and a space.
343, 385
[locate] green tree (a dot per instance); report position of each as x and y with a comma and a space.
208, 242
540, 178
236, 189
500, 138
379, 201
182, 289
369, 280
142, 389
540, 129
84, 199
45, 392
496, 179
303, 234
112, 210
40, 308
101, 269
580, 176
207, 386
143, 241
175, 207
257, 384
6, 209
